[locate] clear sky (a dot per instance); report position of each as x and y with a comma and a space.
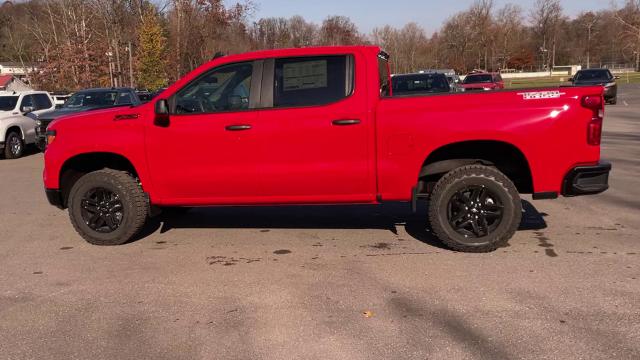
367, 14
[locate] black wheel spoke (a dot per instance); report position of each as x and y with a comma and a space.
482, 198
475, 193
110, 222
93, 221
484, 225
459, 216
476, 228
90, 206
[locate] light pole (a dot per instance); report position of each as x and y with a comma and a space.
130, 66
543, 55
110, 57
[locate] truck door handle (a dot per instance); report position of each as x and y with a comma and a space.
238, 127
346, 122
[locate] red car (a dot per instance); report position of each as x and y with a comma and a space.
483, 81
321, 126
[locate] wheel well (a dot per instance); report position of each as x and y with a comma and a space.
12, 129
79, 165
504, 156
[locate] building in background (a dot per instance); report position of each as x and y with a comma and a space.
19, 70
13, 83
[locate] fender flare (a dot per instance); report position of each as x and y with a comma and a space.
444, 166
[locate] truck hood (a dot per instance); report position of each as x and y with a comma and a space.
109, 112
52, 115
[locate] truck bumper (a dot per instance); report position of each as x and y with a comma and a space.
54, 196
587, 180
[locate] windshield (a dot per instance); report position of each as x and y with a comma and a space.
593, 75
8, 103
91, 99
427, 83
476, 79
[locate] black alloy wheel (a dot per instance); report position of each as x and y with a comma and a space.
474, 211
102, 210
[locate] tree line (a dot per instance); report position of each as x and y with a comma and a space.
87, 43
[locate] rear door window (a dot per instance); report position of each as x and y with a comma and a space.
124, 98
310, 81
419, 83
27, 100
42, 101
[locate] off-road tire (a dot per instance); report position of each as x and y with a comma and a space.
134, 202
478, 175
8, 153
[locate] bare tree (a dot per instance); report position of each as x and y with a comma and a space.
629, 17
339, 30
545, 17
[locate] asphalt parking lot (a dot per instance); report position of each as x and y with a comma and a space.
352, 282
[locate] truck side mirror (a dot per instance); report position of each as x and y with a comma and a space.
571, 79
27, 109
161, 113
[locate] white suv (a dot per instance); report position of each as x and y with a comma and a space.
16, 128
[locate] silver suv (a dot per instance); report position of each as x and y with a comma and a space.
17, 129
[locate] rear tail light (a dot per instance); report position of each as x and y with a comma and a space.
593, 102
594, 131
594, 127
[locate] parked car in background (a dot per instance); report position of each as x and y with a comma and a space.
455, 83
420, 83
158, 92
59, 98
320, 125
602, 77
483, 81
17, 129
85, 100
454, 79
144, 95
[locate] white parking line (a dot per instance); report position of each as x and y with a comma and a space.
625, 103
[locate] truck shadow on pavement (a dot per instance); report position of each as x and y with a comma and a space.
387, 216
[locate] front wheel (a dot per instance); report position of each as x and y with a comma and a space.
13, 146
475, 208
107, 207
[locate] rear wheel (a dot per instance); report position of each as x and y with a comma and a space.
107, 207
13, 146
475, 208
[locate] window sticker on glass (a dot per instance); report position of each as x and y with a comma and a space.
305, 75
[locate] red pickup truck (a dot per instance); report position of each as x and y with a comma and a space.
321, 126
